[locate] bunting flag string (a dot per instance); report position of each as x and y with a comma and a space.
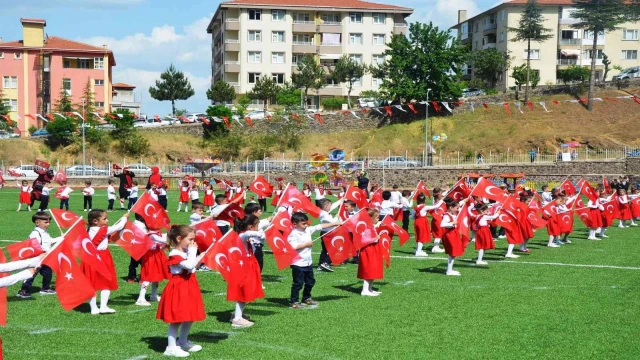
248, 120
436, 106
635, 99
62, 116
309, 117
530, 105
378, 110
486, 106
472, 107
413, 108
6, 117
399, 107
319, 118
50, 117
388, 109
544, 106
296, 118
518, 105
41, 117
446, 105
226, 122
506, 107
555, 102
354, 114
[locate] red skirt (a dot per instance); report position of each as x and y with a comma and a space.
154, 266
370, 263
249, 289
96, 279
625, 211
436, 230
553, 228
484, 239
635, 210
421, 229
595, 218
514, 237
25, 198
184, 197
181, 300
606, 221
208, 200
526, 229
452, 243
275, 200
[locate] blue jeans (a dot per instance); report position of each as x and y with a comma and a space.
302, 275
131, 202
64, 203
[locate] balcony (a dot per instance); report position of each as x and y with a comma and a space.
400, 29
330, 27
231, 45
489, 28
232, 24
232, 66
330, 90
304, 47
489, 46
589, 42
235, 85
568, 21
569, 42
330, 48
573, 61
304, 26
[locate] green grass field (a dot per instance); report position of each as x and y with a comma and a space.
580, 301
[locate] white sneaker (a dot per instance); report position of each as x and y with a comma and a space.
453, 273
107, 310
502, 237
376, 292
95, 312
154, 298
634, 224
596, 239
481, 262
621, 226
369, 293
567, 241
604, 236
437, 249
175, 352
512, 256
421, 253
190, 347
553, 245
85, 209
143, 303
626, 226
241, 323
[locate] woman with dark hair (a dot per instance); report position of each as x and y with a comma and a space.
126, 183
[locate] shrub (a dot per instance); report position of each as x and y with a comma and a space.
333, 103
32, 129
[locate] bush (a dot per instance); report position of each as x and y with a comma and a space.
133, 145
262, 146
32, 129
216, 129
333, 103
60, 132
229, 145
97, 138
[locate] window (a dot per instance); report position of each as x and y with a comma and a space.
13, 103
535, 54
332, 82
1, 55
464, 30
357, 58
629, 35
588, 54
378, 39
66, 64
502, 15
66, 85
356, 18
379, 18
331, 18
475, 27
83, 63
17, 56
98, 82
501, 36
255, 36
589, 35
375, 82
253, 77
300, 17
377, 59
255, 57
255, 14
302, 39
295, 58
10, 82
277, 15
277, 36
357, 82
99, 104
98, 63
355, 39
629, 54
278, 78
277, 58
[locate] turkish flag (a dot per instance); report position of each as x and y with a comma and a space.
606, 185
60, 177
536, 221
221, 184
282, 222
535, 201
575, 201
43, 164
82, 246
72, 287
458, 191
388, 109
343, 214
439, 212
463, 224
338, 244
566, 222
319, 118
421, 189
376, 199
261, 187
486, 189
3, 298
207, 232
588, 191
551, 211
611, 210
385, 247
155, 217
227, 257
516, 208
231, 212
397, 215
247, 119
24, 249
356, 195
115, 166
585, 216
284, 253
64, 219
291, 196
403, 236
133, 240
362, 229
568, 187
506, 220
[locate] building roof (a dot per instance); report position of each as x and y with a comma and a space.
34, 21
123, 86
342, 4
61, 44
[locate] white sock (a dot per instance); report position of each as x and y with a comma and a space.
371, 285
523, 246
239, 311
551, 237
184, 332
436, 242
510, 249
143, 291
480, 254
602, 231
121, 203
179, 206
450, 264
19, 207
104, 298
366, 286
29, 207
473, 236
418, 247
93, 304
173, 334
621, 224
632, 222
154, 289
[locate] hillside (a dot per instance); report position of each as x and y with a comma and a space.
610, 125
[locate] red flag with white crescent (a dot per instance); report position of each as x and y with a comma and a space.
536, 221
506, 220
566, 222
384, 245
64, 218
588, 191
463, 224
294, 198
282, 250
42, 164
282, 222
421, 188
231, 212
486, 189
261, 187
338, 244
155, 217
356, 195
585, 216
24, 249
568, 187
207, 232
133, 240
403, 236
362, 229
227, 256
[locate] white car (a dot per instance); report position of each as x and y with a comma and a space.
28, 170
629, 73
258, 115
88, 171
139, 169
195, 117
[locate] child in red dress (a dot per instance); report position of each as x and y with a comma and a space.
436, 230
595, 216
240, 191
25, 195
370, 260
306, 191
451, 236
624, 206
99, 231
184, 196
181, 304
154, 264
551, 215
421, 224
208, 198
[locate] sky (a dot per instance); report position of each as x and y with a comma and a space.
146, 36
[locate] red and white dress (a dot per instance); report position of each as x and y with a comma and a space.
595, 214
553, 227
370, 262
154, 261
635, 206
307, 193
436, 230
451, 236
181, 299
25, 194
624, 207
208, 198
240, 192
100, 239
250, 288
184, 194
484, 239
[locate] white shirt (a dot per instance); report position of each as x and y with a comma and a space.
326, 218
88, 191
188, 264
406, 203
320, 195
111, 192
264, 223
387, 206
427, 208
45, 190
297, 238
17, 265
43, 238
133, 192
395, 196
119, 225
546, 198
484, 219
15, 278
252, 237
153, 194
64, 194
448, 221
162, 192
194, 218
195, 194
595, 204
158, 238
216, 210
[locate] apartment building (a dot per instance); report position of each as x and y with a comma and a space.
568, 46
37, 68
125, 98
251, 38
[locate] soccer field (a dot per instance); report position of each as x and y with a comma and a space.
579, 301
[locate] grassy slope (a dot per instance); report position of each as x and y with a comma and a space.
506, 311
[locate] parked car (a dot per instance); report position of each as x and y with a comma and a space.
367, 102
261, 166
6, 135
629, 73
258, 115
28, 170
466, 93
76, 170
40, 132
195, 117
397, 161
139, 169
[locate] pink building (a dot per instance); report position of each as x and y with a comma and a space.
35, 70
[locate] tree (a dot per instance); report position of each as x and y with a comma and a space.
530, 29
598, 17
215, 128
574, 73
489, 64
89, 105
63, 103
172, 86
61, 131
607, 66
264, 89
221, 92
348, 71
4, 111
427, 59
523, 76
288, 96
310, 76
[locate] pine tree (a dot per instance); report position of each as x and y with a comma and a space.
348, 71
89, 105
63, 103
310, 76
172, 86
264, 89
4, 110
221, 91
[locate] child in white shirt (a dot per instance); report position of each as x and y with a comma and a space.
194, 194
407, 204
396, 195
133, 194
387, 206
44, 196
88, 192
63, 195
111, 195
324, 262
196, 213
546, 196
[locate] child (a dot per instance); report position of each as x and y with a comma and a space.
31, 266
387, 207
306, 191
525, 225
111, 196
240, 192
194, 194
370, 263
553, 227
484, 239
25, 195
153, 191
451, 237
154, 264
343, 192
63, 194
349, 211
326, 218
262, 201
320, 194
162, 195
257, 242
44, 196
635, 207
606, 221
181, 304
196, 213
624, 206
407, 203
546, 195
99, 231
208, 197
88, 192
42, 221
396, 195
421, 225
133, 194
251, 288
184, 197
595, 216
221, 203
301, 270
436, 230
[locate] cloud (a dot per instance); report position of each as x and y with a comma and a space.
84, 4
443, 13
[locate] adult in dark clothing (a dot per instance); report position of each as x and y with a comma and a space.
44, 176
615, 185
154, 178
126, 182
624, 183
363, 182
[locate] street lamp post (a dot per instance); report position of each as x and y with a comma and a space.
83, 144
427, 153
